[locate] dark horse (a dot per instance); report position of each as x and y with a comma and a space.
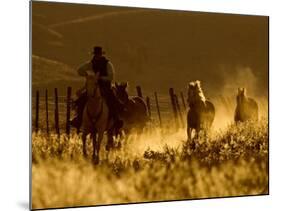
201, 112
246, 108
136, 114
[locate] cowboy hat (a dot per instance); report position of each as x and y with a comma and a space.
98, 50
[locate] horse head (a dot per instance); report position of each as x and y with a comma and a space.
195, 94
121, 91
241, 96
92, 85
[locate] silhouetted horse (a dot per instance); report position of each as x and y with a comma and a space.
246, 108
136, 114
201, 112
95, 119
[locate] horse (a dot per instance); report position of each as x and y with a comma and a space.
95, 120
136, 113
201, 112
246, 108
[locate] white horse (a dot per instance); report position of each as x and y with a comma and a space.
95, 118
201, 112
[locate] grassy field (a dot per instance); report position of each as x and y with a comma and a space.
157, 165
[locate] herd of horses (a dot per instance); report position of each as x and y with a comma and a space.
200, 115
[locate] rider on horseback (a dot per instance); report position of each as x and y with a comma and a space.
99, 64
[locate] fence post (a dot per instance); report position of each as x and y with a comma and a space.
179, 109
47, 111
67, 129
57, 127
139, 92
171, 92
37, 112
183, 101
148, 106
158, 110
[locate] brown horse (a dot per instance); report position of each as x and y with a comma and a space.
201, 112
95, 119
246, 108
136, 115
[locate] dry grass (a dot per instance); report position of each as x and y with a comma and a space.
157, 165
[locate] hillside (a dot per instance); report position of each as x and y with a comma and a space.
48, 74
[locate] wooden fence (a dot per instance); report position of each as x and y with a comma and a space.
176, 105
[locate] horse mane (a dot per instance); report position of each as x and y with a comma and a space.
201, 94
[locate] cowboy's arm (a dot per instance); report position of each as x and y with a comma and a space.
82, 70
110, 72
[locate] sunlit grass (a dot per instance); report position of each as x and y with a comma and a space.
156, 165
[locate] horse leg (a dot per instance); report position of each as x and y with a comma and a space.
96, 158
207, 130
109, 144
196, 136
192, 143
94, 141
84, 139
197, 131
188, 131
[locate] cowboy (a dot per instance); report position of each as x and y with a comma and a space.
99, 64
